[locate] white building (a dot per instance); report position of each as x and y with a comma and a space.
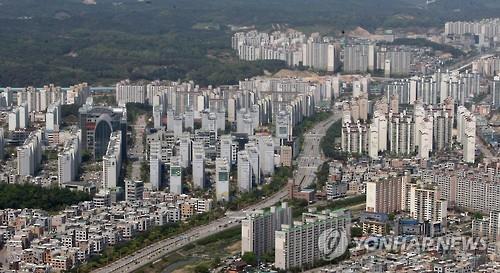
185, 150
266, 155
53, 117
68, 161
175, 177
155, 172
24, 120
134, 190
244, 172
157, 117
29, 155
127, 92
466, 133
198, 169
222, 179
112, 162
426, 204
258, 229
14, 119
226, 147
254, 157
297, 245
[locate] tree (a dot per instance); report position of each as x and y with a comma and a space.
478, 216
356, 232
249, 258
201, 268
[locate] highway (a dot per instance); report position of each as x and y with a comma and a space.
308, 162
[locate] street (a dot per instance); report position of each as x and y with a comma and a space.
311, 157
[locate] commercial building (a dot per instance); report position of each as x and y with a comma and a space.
198, 169
222, 179
286, 156
97, 123
175, 177
134, 190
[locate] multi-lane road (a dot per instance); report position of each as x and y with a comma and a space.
312, 156
307, 164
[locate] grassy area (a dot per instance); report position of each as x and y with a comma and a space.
204, 253
344, 203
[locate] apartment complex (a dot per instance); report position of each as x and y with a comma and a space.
298, 245
258, 229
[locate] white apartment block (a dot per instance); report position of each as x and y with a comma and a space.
258, 229
14, 119
29, 155
112, 162
466, 133
487, 27
426, 203
297, 246
68, 161
255, 163
53, 117
127, 92
354, 138
266, 155
495, 91
244, 172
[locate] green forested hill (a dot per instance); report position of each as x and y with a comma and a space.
65, 41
